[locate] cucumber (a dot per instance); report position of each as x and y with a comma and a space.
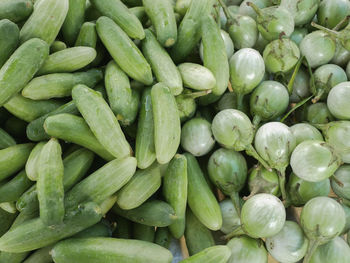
6, 220
29, 110
57, 46
163, 237
15, 10
152, 213
143, 232
162, 65
74, 129
28, 202
108, 250
16, 127
215, 254
12, 190
107, 204
6, 257
163, 19
123, 101
13, 158
68, 60
121, 15
102, 183
9, 207
59, 85
201, 199
140, 13
20, 68
91, 13
9, 38
32, 162
145, 149
6, 139
73, 21
167, 126
140, 187
123, 50
25, 215
101, 229
41, 255
175, 192
46, 20
132, 3
101, 120
34, 234
196, 76
87, 35
124, 227
182, 6
197, 236
35, 129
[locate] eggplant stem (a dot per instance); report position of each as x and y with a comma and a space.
256, 121
252, 152
298, 105
238, 231
255, 8
197, 94
282, 183
313, 244
295, 72
236, 202
239, 99
227, 12
325, 29
341, 23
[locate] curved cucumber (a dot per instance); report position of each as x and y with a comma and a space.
32, 162
12, 190
73, 21
196, 76
6, 139
9, 38
15, 10
87, 35
215, 254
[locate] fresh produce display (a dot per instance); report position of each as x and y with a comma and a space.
166, 131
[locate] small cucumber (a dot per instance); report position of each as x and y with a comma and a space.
34, 234
101, 121
32, 162
175, 192
121, 15
108, 250
196, 76
9, 38
74, 129
6, 139
15, 10
29, 110
152, 213
46, 20
59, 85
6, 257
162, 65
167, 126
73, 21
13, 158
163, 237
123, 101
20, 68
163, 19
201, 199
143, 232
13, 189
41, 255
6, 220
140, 187
57, 46
68, 60
123, 50
215, 254
87, 35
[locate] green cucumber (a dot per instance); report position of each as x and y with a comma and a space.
121, 15
41, 255
101, 229
107, 203
196, 76
108, 250
124, 227
73, 21
6, 257
29, 110
15, 10
123, 50
101, 89
13, 158
182, 6
74, 129
163, 19
9, 207
143, 232
132, 3
20, 68
175, 192
140, 187
215, 254
57, 46
123, 101
59, 85
167, 126
6, 139
9, 38
34, 234
28, 200
102, 183
35, 129
140, 13
87, 35
162, 65
32, 162
12, 190
68, 60
101, 121
46, 20
25, 215
201, 199
163, 237
6, 220
151, 213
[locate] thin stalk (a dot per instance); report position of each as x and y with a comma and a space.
256, 121
236, 202
295, 72
237, 232
239, 99
337, 181
313, 244
342, 23
282, 183
227, 12
325, 29
197, 94
252, 152
318, 95
312, 78
255, 8
298, 105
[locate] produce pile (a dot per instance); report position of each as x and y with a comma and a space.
128, 124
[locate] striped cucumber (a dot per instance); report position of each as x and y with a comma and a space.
167, 126
162, 65
143, 232
215, 254
108, 250
29, 110
13, 158
46, 20
57, 45
20, 68
201, 199
68, 60
87, 35
123, 50
101, 120
163, 19
6, 139
123, 100
60, 84
74, 129
15, 10
73, 21
140, 187
120, 14
32, 162
145, 149
13, 189
6, 220
9, 38
175, 192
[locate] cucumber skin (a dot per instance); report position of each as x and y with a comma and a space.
32, 162
73, 21
143, 232
12, 190
6, 257
6, 140
6, 220
56, 46
9, 39
15, 10
20, 68
215, 254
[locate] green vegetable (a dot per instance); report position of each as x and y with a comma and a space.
9, 37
